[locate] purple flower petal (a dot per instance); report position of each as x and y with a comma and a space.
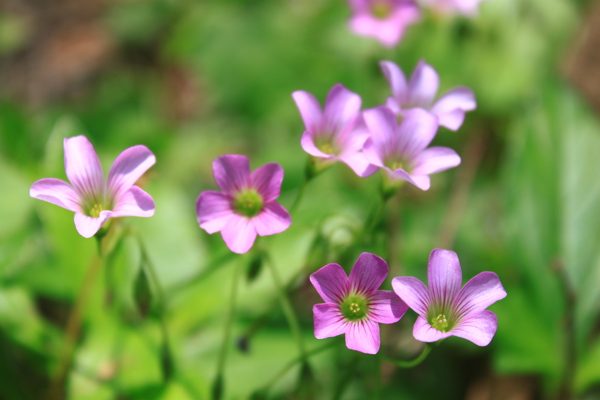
424, 332
309, 108
88, 226
479, 329
329, 321
385, 307
267, 181
134, 203
238, 234
444, 276
127, 168
382, 124
416, 131
435, 159
272, 219
83, 168
423, 85
396, 79
331, 283
341, 109
372, 153
421, 181
308, 145
57, 192
368, 273
232, 172
213, 210
363, 336
450, 108
359, 164
413, 292
478, 294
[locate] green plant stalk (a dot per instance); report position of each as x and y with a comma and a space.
288, 310
414, 362
228, 323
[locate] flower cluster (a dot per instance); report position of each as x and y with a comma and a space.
387, 20
353, 306
375, 139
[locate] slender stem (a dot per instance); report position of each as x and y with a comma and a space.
74, 327
414, 362
342, 384
288, 310
295, 361
298, 196
228, 323
150, 269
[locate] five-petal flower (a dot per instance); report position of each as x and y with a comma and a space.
385, 20
246, 206
400, 150
337, 132
465, 7
420, 92
446, 309
92, 199
354, 306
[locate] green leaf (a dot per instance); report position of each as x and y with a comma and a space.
142, 292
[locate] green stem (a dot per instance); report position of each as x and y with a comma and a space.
228, 323
288, 310
342, 384
73, 328
298, 196
414, 362
167, 355
295, 361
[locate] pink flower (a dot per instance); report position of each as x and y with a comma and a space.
335, 133
385, 20
420, 92
400, 150
92, 199
465, 7
353, 306
447, 310
246, 206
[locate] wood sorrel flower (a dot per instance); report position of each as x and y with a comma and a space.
420, 92
353, 305
400, 150
465, 7
385, 20
92, 199
447, 310
247, 205
335, 133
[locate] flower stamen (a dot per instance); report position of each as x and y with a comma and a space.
248, 203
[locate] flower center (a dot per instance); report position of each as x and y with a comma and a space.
325, 144
95, 210
248, 203
354, 308
394, 163
381, 9
440, 323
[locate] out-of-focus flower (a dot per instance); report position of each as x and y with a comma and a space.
246, 206
400, 150
354, 306
420, 92
337, 132
447, 310
92, 199
465, 7
385, 20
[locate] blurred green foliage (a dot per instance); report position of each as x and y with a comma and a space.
194, 80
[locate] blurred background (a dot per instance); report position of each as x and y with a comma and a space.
193, 80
